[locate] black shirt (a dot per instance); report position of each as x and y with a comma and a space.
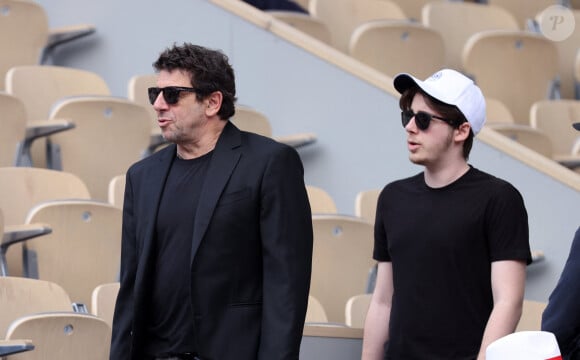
170, 323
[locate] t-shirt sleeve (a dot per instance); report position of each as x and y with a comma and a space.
507, 225
381, 251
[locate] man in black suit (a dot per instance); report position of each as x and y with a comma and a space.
217, 231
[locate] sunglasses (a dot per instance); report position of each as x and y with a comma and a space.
170, 93
423, 119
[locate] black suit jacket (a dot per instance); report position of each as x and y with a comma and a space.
251, 251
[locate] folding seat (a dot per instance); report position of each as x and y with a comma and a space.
21, 188
63, 336
534, 139
110, 135
567, 50
22, 296
103, 300
117, 191
457, 21
555, 119
343, 16
40, 87
365, 205
398, 46
315, 312
82, 251
356, 310
320, 200
516, 67
341, 263
25, 36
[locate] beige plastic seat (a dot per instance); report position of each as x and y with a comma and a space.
103, 300
567, 49
523, 10
117, 191
23, 187
555, 119
531, 319
356, 310
25, 37
342, 260
252, 120
305, 23
396, 46
516, 67
110, 135
320, 200
83, 250
40, 87
529, 137
63, 336
457, 21
497, 112
315, 312
365, 204
21, 296
343, 16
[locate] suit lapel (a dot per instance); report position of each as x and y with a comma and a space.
224, 159
153, 181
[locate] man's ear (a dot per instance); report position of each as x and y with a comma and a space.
213, 103
462, 132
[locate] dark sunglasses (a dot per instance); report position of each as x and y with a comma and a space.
423, 119
170, 93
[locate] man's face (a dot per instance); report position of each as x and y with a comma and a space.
430, 146
179, 122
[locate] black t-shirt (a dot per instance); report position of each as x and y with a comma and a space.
441, 243
170, 322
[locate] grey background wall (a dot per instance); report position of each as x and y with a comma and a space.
361, 143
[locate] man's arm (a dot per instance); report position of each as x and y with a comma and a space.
507, 282
376, 331
562, 315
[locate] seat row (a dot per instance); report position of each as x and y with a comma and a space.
90, 133
485, 41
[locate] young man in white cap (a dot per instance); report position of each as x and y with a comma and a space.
562, 315
451, 242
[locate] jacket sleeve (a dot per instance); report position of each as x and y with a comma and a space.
562, 315
121, 341
286, 229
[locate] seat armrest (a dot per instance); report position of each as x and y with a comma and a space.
18, 233
297, 140
9, 347
35, 130
65, 34
537, 256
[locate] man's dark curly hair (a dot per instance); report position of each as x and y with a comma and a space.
209, 71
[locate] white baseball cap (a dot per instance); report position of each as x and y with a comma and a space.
453, 88
524, 345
